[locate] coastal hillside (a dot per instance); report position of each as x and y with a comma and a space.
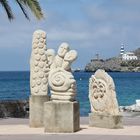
115, 64
137, 53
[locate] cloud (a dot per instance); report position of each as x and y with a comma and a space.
89, 26
54, 35
120, 11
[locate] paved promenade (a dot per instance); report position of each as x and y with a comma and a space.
18, 129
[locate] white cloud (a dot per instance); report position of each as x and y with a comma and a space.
67, 35
99, 26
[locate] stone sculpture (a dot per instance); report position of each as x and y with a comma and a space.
58, 60
50, 54
39, 70
102, 97
50, 71
39, 65
63, 109
61, 81
102, 94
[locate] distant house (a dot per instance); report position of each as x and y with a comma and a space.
127, 56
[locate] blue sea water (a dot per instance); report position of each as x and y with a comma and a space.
15, 85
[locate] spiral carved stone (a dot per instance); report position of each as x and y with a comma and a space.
62, 85
102, 94
38, 64
58, 80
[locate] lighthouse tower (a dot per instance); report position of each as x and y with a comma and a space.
122, 50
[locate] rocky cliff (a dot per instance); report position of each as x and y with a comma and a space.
115, 64
137, 52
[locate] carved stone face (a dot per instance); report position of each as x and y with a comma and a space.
63, 49
70, 56
50, 53
98, 95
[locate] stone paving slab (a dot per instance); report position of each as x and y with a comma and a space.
18, 129
24, 129
13, 126
68, 137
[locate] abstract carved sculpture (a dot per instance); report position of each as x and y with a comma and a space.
61, 81
39, 65
39, 70
50, 71
63, 109
103, 101
102, 94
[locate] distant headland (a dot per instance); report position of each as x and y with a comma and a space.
125, 62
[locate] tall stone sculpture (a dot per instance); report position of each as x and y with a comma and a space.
104, 105
61, 81
63, 109
39, 70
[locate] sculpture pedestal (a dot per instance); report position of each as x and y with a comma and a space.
36, 114
105, 121
61, 117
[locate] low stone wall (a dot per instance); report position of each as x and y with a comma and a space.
14, 108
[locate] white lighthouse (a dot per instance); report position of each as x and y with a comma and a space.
122, 50
127, 56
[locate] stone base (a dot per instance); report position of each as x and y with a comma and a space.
105, 121
61, 117
36, 109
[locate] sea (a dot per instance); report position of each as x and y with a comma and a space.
16, 86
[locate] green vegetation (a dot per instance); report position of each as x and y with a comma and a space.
33, 5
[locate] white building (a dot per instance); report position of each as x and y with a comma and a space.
127, 55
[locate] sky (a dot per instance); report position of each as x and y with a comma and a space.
89, 26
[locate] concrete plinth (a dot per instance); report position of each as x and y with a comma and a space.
105, 121
61, 117
36, 114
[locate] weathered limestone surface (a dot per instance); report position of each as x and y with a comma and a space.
103, 101
61, 117
39, 70
105, 121
102, 94
62, 113
37, 110
61, 81
39, 66
50, 54
48, 69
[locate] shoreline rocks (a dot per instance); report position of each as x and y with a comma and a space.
20, 109
131, 108
14, 108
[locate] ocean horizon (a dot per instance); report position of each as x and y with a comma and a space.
15, 85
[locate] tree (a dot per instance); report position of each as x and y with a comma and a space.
33, 5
